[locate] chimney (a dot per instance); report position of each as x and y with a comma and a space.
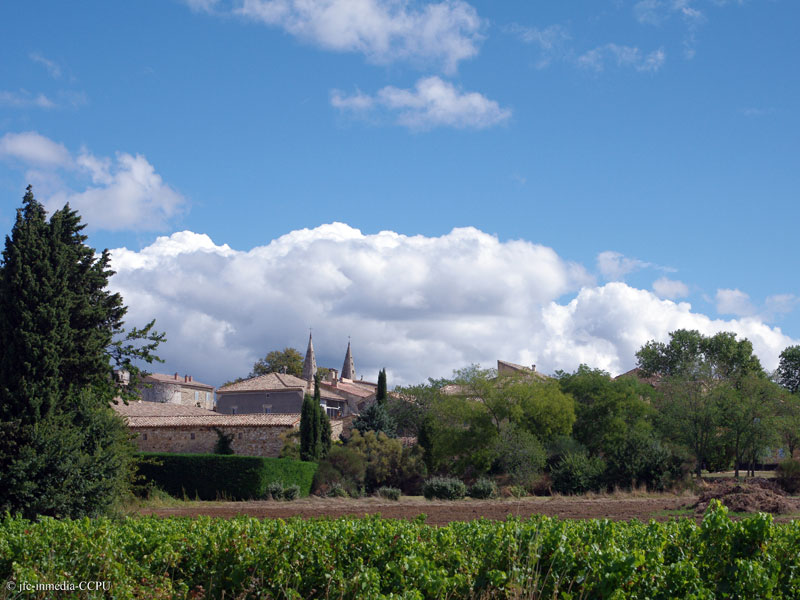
190, 378
533, 367
185, 379
176, 376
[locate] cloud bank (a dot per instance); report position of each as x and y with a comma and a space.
123, 193
419, 306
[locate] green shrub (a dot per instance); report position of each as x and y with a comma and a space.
518, 491
578, 473
292, 492
337, 491
483, 488
640, 459
275, 490
444, 488
211, 476
787, 474
390, 493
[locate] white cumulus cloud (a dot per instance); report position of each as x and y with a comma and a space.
125, 192
734, 302
384, 31
419, 306
432, 102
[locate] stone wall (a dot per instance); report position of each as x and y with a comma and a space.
247, 440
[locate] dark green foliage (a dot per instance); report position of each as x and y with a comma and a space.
519, 454
211, 476
277, 361
788, 475
640, 459
344, 467
444, 488
390, 493
482, 489
224, 442
375, 418
323, 423
380, 395
308, 430
789, 369
61, 335
578, 473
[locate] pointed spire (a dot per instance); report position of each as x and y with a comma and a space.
310, 364
348, 369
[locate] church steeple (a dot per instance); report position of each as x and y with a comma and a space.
348, 369
310, 363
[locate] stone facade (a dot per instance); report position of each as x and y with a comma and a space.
176, 389
247, 441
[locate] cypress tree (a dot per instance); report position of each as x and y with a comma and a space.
63, 450
324, 423
308, 417
380, 395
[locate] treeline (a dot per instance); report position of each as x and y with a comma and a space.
694, 403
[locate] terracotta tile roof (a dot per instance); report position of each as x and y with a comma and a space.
163, 378
355, 389
268, 382
160, 409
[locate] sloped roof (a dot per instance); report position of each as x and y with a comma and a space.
218, 420
164, 378
266, 383
160, 409
354, 389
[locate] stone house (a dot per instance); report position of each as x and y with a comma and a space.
174, 389
340, 396
167, 427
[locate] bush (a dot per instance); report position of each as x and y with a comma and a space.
275, 490
483, 488
444, 488
578, 473
292, 492
638, 459
787, 474
517, 491
390, 493
519, 454
337, 491
210, 476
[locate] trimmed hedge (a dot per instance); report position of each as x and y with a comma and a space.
211, 476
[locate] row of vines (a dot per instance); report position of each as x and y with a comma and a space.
378, 558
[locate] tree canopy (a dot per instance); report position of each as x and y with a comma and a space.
277, 360
63, 451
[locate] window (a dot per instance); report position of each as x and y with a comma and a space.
191, 436
197, 396
267, 408
240, 436
332, 412
144, 436
208, 397
233, 410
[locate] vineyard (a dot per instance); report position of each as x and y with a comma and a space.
541, 557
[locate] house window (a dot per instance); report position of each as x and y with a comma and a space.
267, 408
208, 397
332, 412
233, 410
240, 436
191, 436
197, 396
144, 436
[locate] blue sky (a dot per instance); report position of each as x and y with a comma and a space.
613, 169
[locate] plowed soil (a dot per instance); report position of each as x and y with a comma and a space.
442, 512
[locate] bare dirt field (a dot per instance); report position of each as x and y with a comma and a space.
441, 512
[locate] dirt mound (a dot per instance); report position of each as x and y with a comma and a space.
756, 495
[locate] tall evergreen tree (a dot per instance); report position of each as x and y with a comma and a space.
63, 451
380, 395
324, 422
308, 418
